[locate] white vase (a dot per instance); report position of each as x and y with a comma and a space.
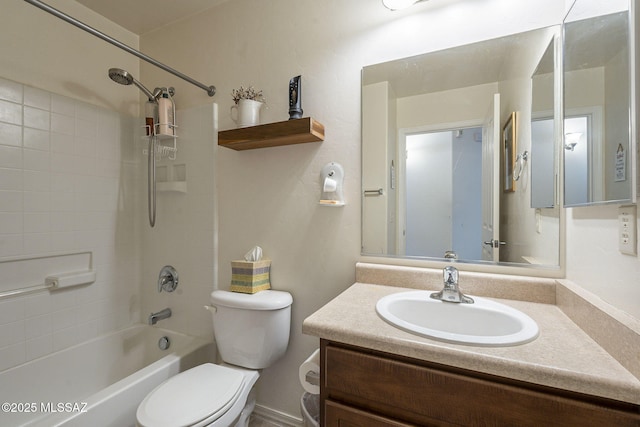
248, 113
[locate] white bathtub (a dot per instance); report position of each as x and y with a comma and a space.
97, 383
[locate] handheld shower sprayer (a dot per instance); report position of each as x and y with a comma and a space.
123, 77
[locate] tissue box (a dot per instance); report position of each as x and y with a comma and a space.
250, 277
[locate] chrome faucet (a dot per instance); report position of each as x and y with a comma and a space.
451, 291
162, 314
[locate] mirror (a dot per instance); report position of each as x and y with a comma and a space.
435, 180
597, 103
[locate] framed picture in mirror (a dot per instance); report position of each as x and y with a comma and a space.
509, 144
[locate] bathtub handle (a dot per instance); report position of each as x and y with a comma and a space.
211, 308
168, 279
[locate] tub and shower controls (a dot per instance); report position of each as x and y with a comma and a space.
168, 279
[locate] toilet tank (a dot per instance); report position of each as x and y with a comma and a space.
251, 330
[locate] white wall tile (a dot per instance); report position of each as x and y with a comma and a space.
55, 196
65, 338
61, 143
12, 355
86, 128
63, 319
63, 241
38, 326
63, 202
39, 347
37, 243
10, 201
10, 222
36, 118
10, 134
10, 91
64, 124
11, 245
37, 201
84, 147
62, 105
86, 111
12, 310
37, 160
10, 112
10, 179
10, 157
37, 222
12, 333
37, 98
36, 180
36, 139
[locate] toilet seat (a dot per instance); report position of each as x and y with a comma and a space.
195, 397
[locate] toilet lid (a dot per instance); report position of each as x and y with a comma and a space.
204, 392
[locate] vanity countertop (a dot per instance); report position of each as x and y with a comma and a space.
563, 355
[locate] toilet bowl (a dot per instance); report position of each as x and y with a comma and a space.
215, 396
252, 332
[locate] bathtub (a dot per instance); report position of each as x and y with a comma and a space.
96, 383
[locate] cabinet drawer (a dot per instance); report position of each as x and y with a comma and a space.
421, 393
337, 415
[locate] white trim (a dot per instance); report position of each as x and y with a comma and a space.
274, 416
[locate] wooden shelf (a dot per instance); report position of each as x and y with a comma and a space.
297, 131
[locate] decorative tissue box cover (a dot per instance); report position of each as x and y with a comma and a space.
250, 277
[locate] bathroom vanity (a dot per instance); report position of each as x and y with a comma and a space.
373, 374
367, 388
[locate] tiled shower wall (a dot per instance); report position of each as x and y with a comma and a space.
67, 184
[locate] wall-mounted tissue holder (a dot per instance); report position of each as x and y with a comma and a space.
331, 178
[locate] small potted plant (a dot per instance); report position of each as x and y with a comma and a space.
248, 102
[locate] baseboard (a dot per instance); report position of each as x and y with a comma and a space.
276, 417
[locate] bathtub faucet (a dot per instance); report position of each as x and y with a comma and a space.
162, 314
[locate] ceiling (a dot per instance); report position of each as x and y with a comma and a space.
142, 16
462, 66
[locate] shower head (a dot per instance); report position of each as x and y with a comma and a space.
124, 78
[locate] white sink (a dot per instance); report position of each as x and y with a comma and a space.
483, 323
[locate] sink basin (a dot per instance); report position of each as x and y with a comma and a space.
483, 323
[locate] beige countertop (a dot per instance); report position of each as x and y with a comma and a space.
563, 355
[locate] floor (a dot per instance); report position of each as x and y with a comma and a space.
259, 422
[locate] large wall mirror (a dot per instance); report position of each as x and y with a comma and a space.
449, 156
599, 146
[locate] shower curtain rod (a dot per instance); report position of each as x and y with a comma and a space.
211, 90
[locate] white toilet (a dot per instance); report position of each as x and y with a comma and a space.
251, 332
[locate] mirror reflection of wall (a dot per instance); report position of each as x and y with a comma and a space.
577, 158
597, 88
543, 147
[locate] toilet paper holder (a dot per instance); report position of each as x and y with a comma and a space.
331, 180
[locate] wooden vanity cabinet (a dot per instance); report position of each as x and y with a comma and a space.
361, 387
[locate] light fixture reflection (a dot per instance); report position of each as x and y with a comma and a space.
571, 139
398, 4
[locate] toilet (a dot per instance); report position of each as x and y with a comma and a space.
251, 332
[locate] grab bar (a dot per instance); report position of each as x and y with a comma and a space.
27, 290
378, 192
54, 282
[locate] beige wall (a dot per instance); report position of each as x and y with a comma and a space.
269, 197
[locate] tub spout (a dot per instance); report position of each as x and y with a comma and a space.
162, 314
